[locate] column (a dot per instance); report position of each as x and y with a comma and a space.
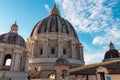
32, 50
45, 48
13, 62
73, 50
26, 63
60, 47
16, 62
1, 59
82, 55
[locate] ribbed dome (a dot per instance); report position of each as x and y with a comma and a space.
111, 54
53, 23
12, 38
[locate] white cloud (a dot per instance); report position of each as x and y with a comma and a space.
87, 15
98, 40
93, 58
112, 34
47, 7
92, 16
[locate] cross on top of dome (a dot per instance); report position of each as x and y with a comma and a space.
54, 10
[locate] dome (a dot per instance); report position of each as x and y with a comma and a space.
113, 53
12, 37
53, 23
53, 37
62, 60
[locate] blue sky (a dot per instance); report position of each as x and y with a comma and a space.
96, 21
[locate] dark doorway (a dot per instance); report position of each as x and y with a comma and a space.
102, 76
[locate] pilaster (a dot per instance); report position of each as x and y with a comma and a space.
73, 50
13, 62
1, 59
45, 47
60, 47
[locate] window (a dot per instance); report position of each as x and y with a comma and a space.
64, 73
64, 51
7, 60
52, 51
41, 52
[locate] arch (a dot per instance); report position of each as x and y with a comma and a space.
7, 60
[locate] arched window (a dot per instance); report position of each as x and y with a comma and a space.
7, 60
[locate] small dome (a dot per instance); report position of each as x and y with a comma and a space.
12, 37
53, 23
111, 54
62, 60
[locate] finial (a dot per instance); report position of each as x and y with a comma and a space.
111, 45
54, 11
54, 5
111, 42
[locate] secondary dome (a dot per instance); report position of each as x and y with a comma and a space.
112, 53
53, 23
12, 37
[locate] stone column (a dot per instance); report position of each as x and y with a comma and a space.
60, 47
13, 62
26, 63
16, 62
82, 55
73, 50
32, 50
45, 48
23, 62
1, 59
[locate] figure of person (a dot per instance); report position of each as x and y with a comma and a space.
108, 77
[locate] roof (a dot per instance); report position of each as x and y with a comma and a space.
54, 23
111, 54
112, 66
12, 38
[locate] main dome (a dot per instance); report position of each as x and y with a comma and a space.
54, 23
